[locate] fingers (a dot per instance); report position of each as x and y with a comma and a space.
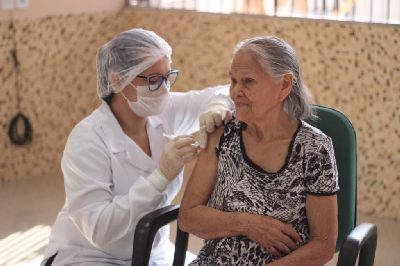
275, 236
273, 251
210, 123
288, 243
217, 118
187, 151
182, 141
278, 241
210, 120
288, 230
278, 247
285, 229
186, 147
281, 248
285, 245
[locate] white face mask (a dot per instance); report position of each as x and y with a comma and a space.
149, 102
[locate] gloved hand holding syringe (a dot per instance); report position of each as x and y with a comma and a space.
177, 152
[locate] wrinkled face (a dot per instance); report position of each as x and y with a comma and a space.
254, 92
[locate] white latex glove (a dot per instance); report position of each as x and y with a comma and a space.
219, 111
176, 153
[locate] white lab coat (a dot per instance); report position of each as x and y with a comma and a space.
107, 191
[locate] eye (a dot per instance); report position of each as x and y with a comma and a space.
248, 80
233, 81
155, 80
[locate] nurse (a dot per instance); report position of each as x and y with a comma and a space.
123, 160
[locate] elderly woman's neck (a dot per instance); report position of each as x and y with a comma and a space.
272, 127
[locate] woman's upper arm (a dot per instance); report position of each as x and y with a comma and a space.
322, 186
202, 180
322, 219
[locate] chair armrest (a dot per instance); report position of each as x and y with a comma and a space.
362, 238
181, 245
146, 230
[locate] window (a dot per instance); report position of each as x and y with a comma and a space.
381, 11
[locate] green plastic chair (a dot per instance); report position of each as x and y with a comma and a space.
337, 126
352, 241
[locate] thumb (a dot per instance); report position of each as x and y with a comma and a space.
203, 137
228, 117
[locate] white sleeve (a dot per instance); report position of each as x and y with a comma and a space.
106, 220
186, 107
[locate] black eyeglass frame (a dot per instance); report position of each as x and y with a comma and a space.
164, 78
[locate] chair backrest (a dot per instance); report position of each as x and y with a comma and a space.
337, 126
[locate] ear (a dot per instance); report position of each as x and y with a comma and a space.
115, 81
286, 86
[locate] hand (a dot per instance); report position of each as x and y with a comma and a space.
216, 114
276, 237
176, 153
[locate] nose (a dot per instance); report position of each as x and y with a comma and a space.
235, 91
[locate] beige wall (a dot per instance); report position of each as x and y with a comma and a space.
349, 66
43, 8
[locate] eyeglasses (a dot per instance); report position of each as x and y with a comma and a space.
155, 81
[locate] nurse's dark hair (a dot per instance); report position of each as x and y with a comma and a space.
108, 98
278, 58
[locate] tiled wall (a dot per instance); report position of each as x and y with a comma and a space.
349, 66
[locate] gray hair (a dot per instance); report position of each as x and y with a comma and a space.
278, 58
128, 54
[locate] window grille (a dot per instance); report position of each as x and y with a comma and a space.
377, 11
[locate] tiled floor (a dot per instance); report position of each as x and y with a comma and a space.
28, 208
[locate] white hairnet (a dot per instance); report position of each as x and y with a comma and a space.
128, 54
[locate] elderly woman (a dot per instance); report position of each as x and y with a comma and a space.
120, 163
264, 190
